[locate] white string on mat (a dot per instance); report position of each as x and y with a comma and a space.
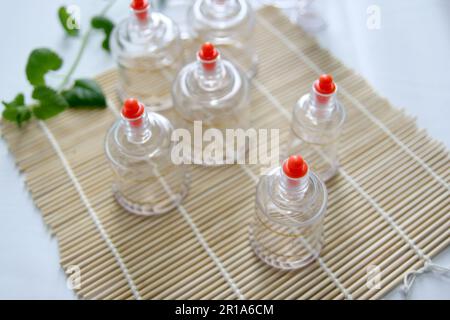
202, 241
192, 225
322, 263
386, 216
90, 209
411, 275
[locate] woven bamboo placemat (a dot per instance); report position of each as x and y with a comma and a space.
388, 206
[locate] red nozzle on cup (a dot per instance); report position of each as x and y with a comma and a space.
141, 9
133, 110
325, 86
295, 167
208, 54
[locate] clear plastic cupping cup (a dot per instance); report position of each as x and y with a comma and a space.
138, 146
316, 125
148, 52
229, 24
286, 231
211, 96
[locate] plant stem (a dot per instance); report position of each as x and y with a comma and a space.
84, 42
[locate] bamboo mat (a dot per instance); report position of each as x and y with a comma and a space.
388, 205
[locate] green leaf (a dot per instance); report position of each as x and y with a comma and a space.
68, 22
40, 62
16, 110
85, 93
103, 23
50, 102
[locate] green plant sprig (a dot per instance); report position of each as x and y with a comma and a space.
47, 102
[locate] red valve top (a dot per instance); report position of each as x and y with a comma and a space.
133, 110
325, 84
295, 167
141, 8
139, 4
208, 54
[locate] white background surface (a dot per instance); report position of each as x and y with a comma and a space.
407, 61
